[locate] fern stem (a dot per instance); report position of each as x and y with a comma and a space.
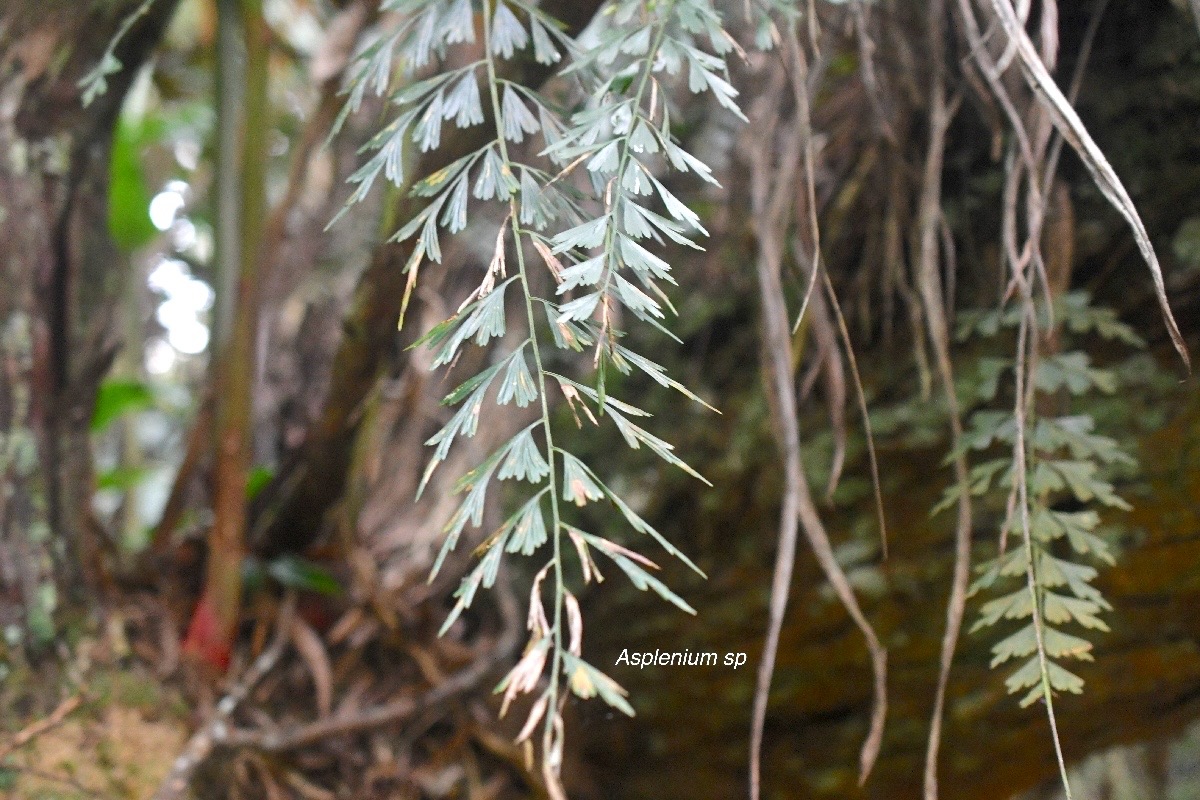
559, 587
623, 164
1021, 468
552, 478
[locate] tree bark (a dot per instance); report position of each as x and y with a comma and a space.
289, 512
691, 728
59, 271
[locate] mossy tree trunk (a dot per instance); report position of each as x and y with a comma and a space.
693, 722
61, 278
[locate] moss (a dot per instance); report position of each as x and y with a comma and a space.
131, 689
56, 794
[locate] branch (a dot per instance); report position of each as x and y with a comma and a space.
1105, 177
203, 741
31, 732
401, 710
934, 303
771, 204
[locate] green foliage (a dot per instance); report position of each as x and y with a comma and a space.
117, 398
122, 478
257, 480
1066, 485
292, 572
129, 193
584, 198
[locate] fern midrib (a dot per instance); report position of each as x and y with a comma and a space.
622, 165
535, 346
1022, 409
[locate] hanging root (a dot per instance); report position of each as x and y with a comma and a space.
772, 182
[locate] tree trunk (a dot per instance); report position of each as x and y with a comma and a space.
59, 271
692, 727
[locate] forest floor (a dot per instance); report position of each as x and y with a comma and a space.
100, 725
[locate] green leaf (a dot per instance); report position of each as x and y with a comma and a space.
421, 90
643, 262
585, 236
508, 35
578, 309
1015, 605
464, 422
471, 384
442, 332
585, 273
459, 23
454, 216
1075, 434
1061, 680
1080, 477
427, 133
420, 222
643, 140
1060, 609
987, 379
1030, 674
544, 51
586, 681
95, 82
638, 524
685, 162
122, 478
517, 120
578, 486
1077, 526
295, 572
1016, 645
485, 320
1054, 572
1063, 645
257, 480
475, 484
518, 383
608, 401
1077, 313
129, 192
644, 580
528, 527
463, 102
634, 436
568, 334
985, 428
625, 559
466, 593
636, 219
495, 178
525, 461
675, 207
950, 496
116, 398
436, 182
1074, 372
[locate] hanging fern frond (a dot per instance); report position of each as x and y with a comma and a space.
587, 208
1055, 490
